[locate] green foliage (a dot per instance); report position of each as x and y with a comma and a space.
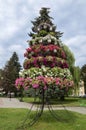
70, 56
44, 18
42, 33
1, 78
10, 73
83, 75
52, 33
76, 77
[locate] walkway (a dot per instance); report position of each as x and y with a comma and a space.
15, 103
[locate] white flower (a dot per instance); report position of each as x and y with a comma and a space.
45, 26
40, 41
43, 68
38, 29
51, 28
40, 73
49, 40
55, 42
55, 50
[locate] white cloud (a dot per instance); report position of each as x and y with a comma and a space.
12, 18
77, 45
15, 17
1, 55
76, 41
17, 48
6, 53
1, 51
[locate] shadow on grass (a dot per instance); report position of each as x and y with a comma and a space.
63, 116
58, 116
58, 101
66, 101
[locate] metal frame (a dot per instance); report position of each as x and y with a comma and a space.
39, 111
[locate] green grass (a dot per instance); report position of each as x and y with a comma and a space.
69, 101
11, 119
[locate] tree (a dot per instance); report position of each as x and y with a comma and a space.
45, 67
70, 56
10, 73
76, 77
44, 20
83, 75
1, 78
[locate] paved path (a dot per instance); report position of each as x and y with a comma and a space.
15, 103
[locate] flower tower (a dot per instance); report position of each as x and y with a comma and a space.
45, 67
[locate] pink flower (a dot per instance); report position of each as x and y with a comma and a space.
45, 87
25, 54
26, 88
40, 78
29, 49
35, 85
57, 81
63, 55
19, 81
65, 65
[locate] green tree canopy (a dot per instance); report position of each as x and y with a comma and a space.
76, 77
10, 73
83, 75
70, 56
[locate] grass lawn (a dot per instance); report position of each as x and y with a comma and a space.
10, 119
69, 101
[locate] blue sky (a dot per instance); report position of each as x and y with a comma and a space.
15, 24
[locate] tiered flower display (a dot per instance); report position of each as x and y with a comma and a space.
45, 66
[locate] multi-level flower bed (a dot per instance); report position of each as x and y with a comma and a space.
45, 66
